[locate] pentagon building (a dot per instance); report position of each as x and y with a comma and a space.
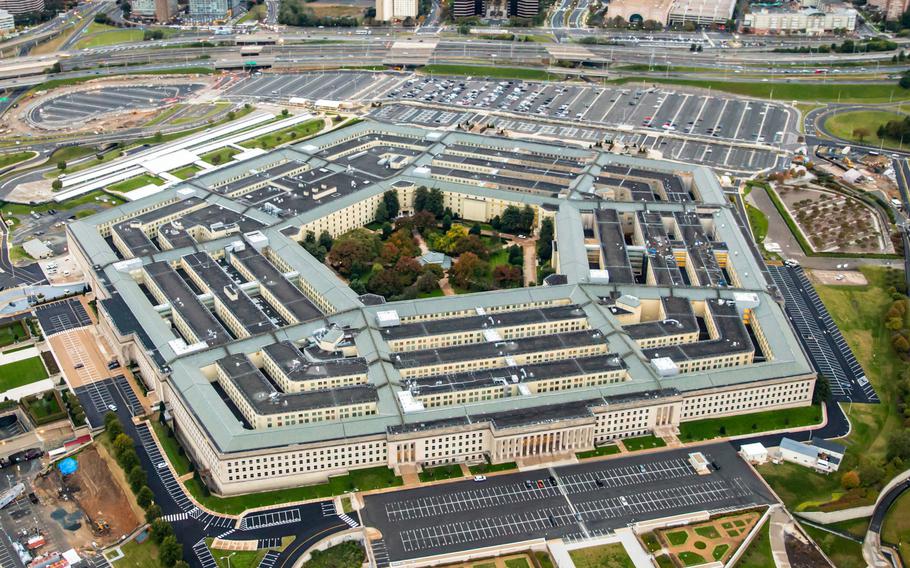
277, 374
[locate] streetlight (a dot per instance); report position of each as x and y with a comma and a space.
228, 558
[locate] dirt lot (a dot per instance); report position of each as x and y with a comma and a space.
100, 496
838, 277
330, 10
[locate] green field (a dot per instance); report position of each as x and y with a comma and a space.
843, 124
758, 555
605, 450
135, 183
643, 443
7, 209
14, 158
357, 480
820, 92
21, 373
749, 423
604, 556
858, 312
186, 172
136, 555
98, 35
11, 333
493, 72
843, 552
296, 132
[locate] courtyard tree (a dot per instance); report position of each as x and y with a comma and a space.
353, 252
468, 271
390, 198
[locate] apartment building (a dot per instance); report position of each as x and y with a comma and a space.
277, 374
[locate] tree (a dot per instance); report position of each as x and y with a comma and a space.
159, 530
822, 390
386, 230
152, 512
144, 497
137, 478
122, 443
468, 271
506, 276
527, 218
382, 213
284, 112
326, 240
61, 165
354, 251
420, 198
861, 132
870, 473
850, 480
110, 420
390, 198
446, 222
516, 255
545, 241
170, 551
56, 184
128, 459
899, 445
181, 564
159, 137
476, 229
435, 203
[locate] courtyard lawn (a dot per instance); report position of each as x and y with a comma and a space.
843, 125
135, 183
186, 172
21, 373
357, 480
171, 446
604, 556
138, 555
749, 423
897, 527
442, 472
691, 558
291, 134
605, 450
844, 553
220, 156
520, 562
643, 443
758, 555
11, 333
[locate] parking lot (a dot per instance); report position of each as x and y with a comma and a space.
81, 106
582, 499
270, 519
821, 338
62, 316
333, 85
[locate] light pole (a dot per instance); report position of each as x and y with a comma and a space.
228, 558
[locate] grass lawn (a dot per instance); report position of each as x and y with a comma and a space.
856, 527
143, 180
22, 372
758, 221
44, 408
520, 562
821, 92
605, 556
360, 479
749, 423
543, 559
296, 132
843, 124
897, 526
719, 551
707, 532
12, 333
677, 538
165, 114
643, 443
485, 468
8, 209
14, 158
451, 471
843, 552
220, 156
138, 555
858, 312
758, 555
171, 447
691, 558
108, 37
257, 14
186, 172
605, 450
483, 71
237, 558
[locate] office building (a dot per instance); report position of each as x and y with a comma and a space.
395, 10
155, 10
16, 7
7, 25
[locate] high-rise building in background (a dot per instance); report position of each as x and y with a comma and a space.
467, 8
524, 8
391, 10
891, 9
6, 23
16, 7
158, 10
210, 9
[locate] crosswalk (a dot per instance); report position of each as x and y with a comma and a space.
176, 517
350, 522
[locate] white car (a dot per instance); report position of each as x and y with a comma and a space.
161, 465
480, 478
